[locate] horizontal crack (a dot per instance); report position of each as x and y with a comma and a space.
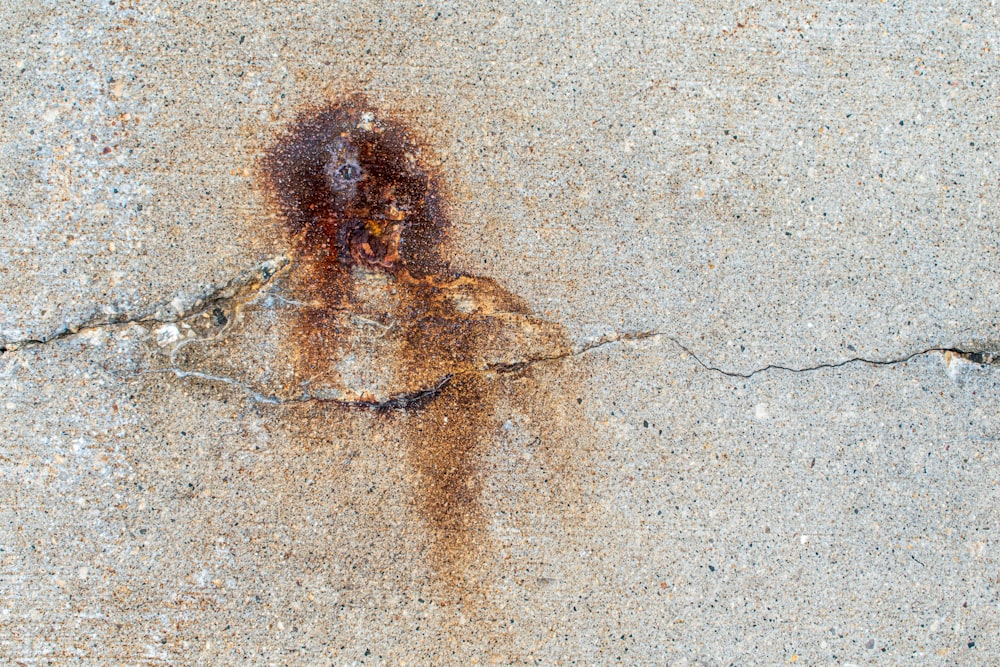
251, 282
838, 364
239, 288
990, 357
412, 399
420, 397
399, 401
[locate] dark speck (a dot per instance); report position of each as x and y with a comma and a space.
349, 172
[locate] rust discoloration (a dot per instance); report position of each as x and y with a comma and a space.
349, 185
384, 323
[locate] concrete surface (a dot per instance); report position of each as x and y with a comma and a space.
719, 213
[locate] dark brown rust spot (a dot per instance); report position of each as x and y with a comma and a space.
384, 322
353, 193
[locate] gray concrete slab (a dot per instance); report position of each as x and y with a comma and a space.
642, 426
835, 516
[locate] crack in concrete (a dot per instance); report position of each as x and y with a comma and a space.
984, 356
980, 357
415, 398
249, 284
243, 287
400, 401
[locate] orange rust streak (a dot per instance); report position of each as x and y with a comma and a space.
357, 205
446, 443
381, 320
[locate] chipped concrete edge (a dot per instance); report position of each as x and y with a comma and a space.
243, 287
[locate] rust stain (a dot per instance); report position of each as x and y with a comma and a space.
385, 324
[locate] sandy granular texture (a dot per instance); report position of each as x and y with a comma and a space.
703, 371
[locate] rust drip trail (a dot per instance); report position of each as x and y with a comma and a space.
383, 315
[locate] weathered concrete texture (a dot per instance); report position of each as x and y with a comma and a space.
840, 516
646, 203
708, 170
